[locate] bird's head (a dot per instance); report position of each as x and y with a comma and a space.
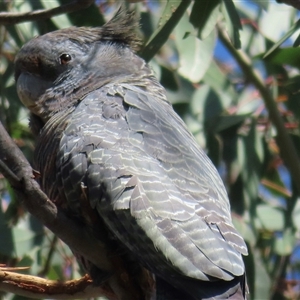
56, 70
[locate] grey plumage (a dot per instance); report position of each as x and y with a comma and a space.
116, 154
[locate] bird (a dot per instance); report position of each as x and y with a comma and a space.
115, 157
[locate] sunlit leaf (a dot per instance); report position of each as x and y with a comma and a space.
262, 279
285, 56
271, 218
233, 22
244, 229
219, 80
291, 31
249, 158
172, 14
61, 21
225, 121
194, 55
284, 244
204, 16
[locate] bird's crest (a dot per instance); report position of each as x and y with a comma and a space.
122, 28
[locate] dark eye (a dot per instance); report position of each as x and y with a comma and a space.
65, 58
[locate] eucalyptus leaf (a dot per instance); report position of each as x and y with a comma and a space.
219, 81
289, 33
227, 121
233, 22
204, 16
262, 278
61, 21
271, 218
285, 56
244, 229
284, 244
194, 55
172, 14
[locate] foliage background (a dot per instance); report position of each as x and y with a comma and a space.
219, 101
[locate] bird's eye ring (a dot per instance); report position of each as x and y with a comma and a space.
65, 58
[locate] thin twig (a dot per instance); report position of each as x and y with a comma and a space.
8, 18
36, 287
286, 146
47, 266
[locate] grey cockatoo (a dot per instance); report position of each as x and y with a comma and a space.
114, 156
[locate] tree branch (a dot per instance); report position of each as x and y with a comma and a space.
286, 146
36, 287
7, 18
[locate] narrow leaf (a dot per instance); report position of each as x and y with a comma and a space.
194, 55
235, 22
171, 16
297, 41
204, 16
291, 31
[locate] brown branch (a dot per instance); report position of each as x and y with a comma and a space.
286, 146
36, 287
7, 18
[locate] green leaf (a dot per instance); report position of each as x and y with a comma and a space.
172, 14
271, 218
61, 21
194, 55
234, 16
291, 31
204, 16
219, 80
225, 122
262, 278
244, 229
285, 56
284, 244
233, 22
262, 4
27, 235
26, 261
249, 158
